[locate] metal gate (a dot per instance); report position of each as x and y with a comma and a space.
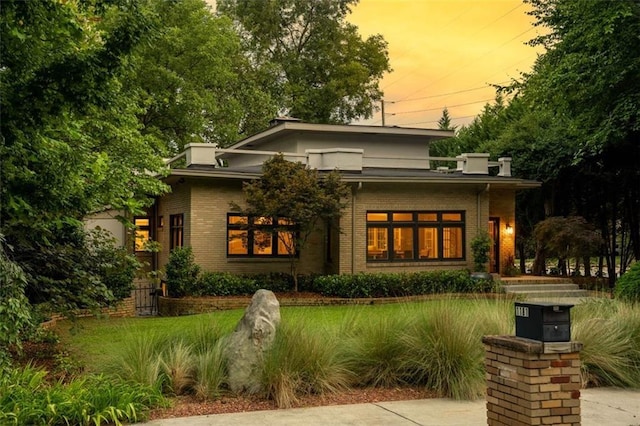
146, 296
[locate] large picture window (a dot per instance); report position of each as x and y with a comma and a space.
259, 236
415, 236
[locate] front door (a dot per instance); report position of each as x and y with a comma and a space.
494, 251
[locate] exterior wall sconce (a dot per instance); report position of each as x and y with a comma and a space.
508, 229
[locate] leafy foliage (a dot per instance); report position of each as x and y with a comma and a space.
182, 272
628, 286
317, 66
296, 194
563, 237
194, 83
480, 247
25, 398
404, 284
75, 146
15, 312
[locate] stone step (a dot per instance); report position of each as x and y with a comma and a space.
515, 288
552, 293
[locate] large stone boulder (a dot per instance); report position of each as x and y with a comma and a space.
253, 335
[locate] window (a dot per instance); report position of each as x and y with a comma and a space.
176, 231
415, 236
142, 232
259, 236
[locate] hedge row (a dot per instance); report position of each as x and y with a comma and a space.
185, 278
399, 284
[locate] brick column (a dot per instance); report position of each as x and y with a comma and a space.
531, 382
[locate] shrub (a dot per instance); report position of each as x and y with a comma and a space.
628, 285
182, 272
480, 247
114, 265
408, 284
25, 398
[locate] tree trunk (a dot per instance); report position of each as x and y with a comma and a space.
522, 255
539, 263
587, 266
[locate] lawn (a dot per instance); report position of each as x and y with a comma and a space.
435, 344
96, 342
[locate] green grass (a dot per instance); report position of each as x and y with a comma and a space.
435, 344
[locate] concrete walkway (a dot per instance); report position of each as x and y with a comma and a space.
602, 406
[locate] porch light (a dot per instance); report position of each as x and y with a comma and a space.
508, 229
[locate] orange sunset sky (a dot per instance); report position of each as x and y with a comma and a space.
446, 53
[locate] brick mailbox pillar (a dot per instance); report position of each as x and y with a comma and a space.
530, 382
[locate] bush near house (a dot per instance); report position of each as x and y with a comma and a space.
184, 278
628, 285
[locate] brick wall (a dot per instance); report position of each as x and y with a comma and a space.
531, 382
205, 204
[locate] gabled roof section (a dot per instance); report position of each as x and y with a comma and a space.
284, 128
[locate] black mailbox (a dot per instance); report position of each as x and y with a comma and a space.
546, 322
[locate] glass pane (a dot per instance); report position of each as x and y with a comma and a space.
142, 236
284, 221
428, 217
237, 220
403, 243
263, 220
452, 217
285, 243
377, 217
403, 217
452, 243
262, 243
428, 243
238, 242
141, 222
377, 247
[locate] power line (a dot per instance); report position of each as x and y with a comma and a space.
435, 121
439, 108
446, 94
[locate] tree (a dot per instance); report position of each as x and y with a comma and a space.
71, 139
320, 69
193, 82
563, 238
291, 193
445, 121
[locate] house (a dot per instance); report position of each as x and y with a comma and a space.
402, 215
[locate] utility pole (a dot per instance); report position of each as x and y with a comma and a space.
382, 102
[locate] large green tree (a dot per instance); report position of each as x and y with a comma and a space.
574, 121
71, 140
194, 82
319, 68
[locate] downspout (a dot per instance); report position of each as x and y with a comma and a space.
353, 227
486, 189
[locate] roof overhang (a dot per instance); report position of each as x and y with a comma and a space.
286, 128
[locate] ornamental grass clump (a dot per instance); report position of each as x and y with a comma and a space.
178, 365
374, 349
446, 353
302, 361
611, 343
210, 373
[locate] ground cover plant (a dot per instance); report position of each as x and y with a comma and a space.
432, 344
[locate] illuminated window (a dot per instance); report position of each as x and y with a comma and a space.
142, 232
259, 236
176, 231
415, 236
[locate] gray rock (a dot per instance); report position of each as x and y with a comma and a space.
253, 335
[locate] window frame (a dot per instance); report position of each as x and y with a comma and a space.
273, 226
176, 230
411, 219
